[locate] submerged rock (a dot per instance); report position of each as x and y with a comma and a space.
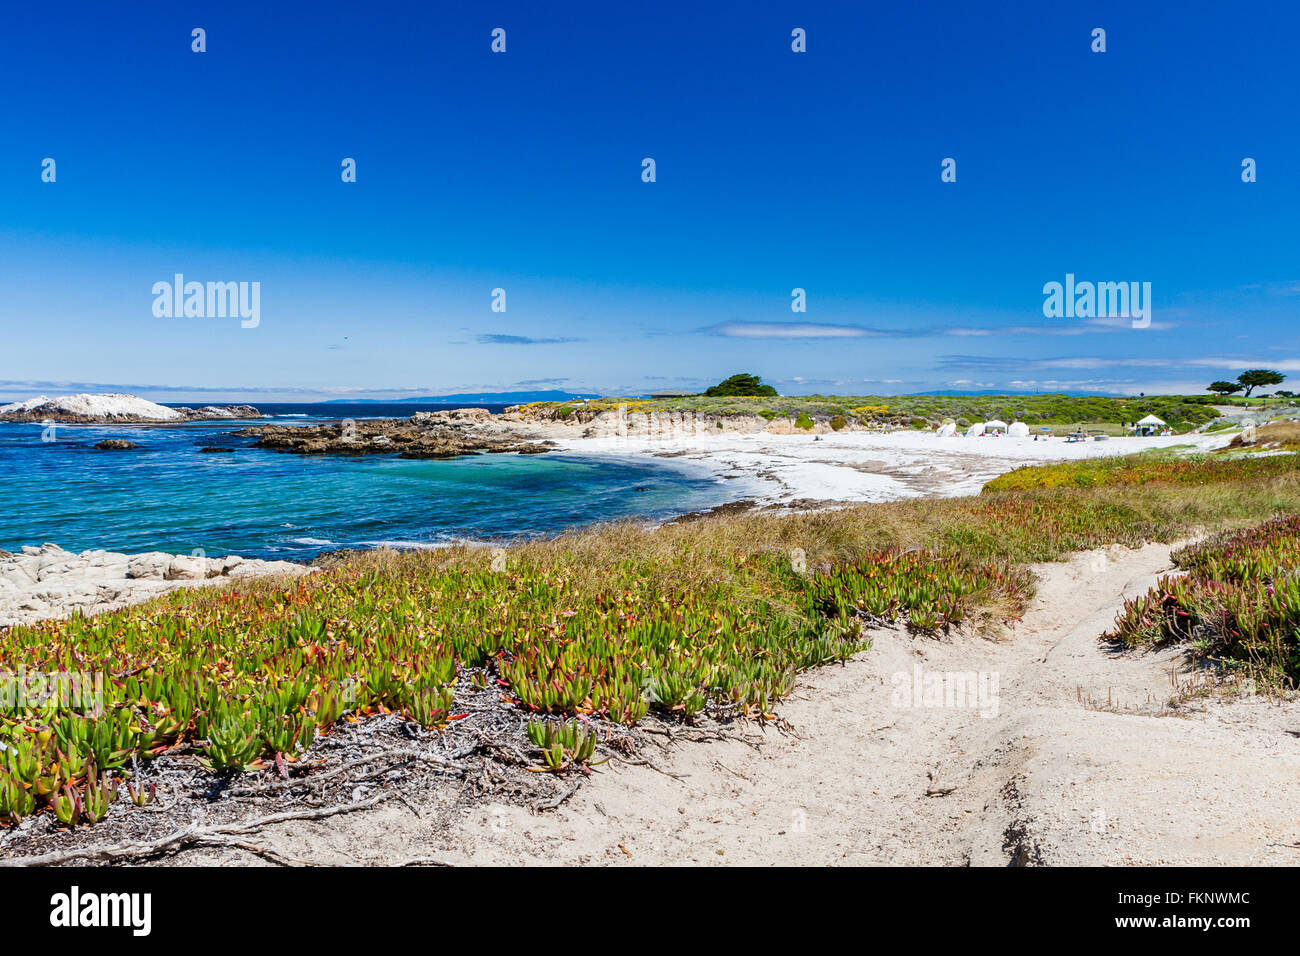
115, 444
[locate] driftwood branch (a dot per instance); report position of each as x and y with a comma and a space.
187, 836
317, 779
556, 801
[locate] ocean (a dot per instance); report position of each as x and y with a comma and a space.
168, 496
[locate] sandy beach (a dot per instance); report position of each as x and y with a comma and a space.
862, 466
769, 469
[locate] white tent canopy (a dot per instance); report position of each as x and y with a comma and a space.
1151, 420
975, 430
1018, 430
996, 424
947, 430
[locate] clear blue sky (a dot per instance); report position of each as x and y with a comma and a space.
522, 171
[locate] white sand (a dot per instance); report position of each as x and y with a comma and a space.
865, 466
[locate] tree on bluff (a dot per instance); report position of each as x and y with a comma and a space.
1259, 378
741, 384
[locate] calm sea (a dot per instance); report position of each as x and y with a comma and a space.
167, 496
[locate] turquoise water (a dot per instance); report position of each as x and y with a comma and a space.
167, 496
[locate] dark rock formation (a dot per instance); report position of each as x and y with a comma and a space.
115, 444
424, 435
216, 412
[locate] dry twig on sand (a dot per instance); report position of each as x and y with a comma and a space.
191, 836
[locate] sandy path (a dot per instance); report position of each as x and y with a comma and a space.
1032, 774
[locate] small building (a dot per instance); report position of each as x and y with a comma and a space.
1149, 425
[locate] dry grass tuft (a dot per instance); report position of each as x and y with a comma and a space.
1278, 434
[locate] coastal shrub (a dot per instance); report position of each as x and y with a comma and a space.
1144, 468
803, 421
767, 413
740, 384
838, 423
934, 590
1238, 602
870, 413
1181, 412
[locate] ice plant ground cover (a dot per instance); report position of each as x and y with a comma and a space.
1238, 602
603, 625
1144, 468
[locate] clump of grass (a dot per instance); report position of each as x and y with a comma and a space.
1278, 435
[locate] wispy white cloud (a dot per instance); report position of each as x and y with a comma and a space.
1083, 327
792, 330
492, 338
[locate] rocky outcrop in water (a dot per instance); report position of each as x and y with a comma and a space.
115, 409
115, 444
448, 434
50, 582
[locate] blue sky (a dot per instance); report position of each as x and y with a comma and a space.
522, 171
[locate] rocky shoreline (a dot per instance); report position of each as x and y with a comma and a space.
47, 582
443, 434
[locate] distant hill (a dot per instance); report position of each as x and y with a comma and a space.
477, 398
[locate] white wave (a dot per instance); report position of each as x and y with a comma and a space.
422, 545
